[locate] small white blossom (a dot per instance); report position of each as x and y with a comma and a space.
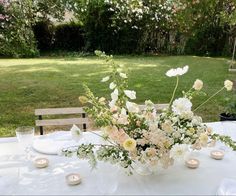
130, 94
114, 95
112, 103
123, 75
105, 79
112, 85
177, 72
132, 107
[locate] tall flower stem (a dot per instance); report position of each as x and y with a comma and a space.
173, 95
208, 99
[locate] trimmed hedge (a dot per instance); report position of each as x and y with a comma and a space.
69, 37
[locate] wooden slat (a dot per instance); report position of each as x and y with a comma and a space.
59, 122
53, 111
158, 107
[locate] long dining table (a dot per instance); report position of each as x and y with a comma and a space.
19, 176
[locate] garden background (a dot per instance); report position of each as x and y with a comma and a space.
146, 36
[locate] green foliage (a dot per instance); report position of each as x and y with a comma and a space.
17, 38
230, 108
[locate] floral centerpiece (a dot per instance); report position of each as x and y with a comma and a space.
142, 135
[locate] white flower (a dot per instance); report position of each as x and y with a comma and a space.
123, 75
187, 115
178, 151
196, 120
132, 107
105, 79
177, 72
228, 85
112, 103
198, 84
130, 94
112, 85
123, 111
76, 133
114, 95
181, 105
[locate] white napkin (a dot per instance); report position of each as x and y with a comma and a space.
76, 133
227, 187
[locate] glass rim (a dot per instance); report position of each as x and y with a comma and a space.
24, 129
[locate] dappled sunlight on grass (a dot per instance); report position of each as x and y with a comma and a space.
40, 69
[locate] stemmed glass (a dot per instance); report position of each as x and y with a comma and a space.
25, 136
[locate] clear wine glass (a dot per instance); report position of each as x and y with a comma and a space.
25, 136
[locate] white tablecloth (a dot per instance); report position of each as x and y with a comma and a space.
18, 176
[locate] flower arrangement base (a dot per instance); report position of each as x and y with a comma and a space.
143, 169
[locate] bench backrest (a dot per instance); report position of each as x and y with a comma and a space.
70, 121
60, 122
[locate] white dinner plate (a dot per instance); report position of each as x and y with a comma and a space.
49, 146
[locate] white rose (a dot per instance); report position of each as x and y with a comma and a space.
181, 105
228, 85
178, 151
130, 94
123, 75
132, 107
105, 79
198, 84
112, 85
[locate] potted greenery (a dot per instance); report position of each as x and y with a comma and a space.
230, 111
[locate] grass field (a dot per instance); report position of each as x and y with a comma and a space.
26, 84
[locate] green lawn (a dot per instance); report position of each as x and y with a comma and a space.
26, 84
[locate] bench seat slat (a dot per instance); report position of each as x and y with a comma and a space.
60, 122
54, 111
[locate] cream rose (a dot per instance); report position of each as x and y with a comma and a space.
228, 85
129, 144
198, 84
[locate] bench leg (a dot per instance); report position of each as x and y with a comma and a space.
84, 125
41, 128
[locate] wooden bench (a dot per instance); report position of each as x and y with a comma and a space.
70, 121
60, 122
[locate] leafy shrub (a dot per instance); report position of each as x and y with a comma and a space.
209, 41
17, 37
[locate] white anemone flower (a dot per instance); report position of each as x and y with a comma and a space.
105, 79
177, 72
178, 151
112, 85
132, 107
130, 94
123, 75
181, 106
